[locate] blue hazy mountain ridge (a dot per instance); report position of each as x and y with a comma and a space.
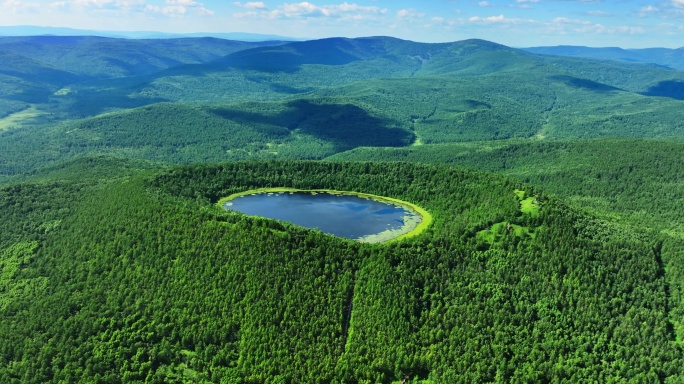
29, 30
673, 58
117, 266
304, 66
93, 56
316, 98
177, 65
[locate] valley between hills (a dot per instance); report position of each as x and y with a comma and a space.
554, 180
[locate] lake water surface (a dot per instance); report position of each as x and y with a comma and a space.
346, 216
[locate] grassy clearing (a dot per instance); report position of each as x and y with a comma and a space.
424, 217
496, 233
528, 205
18, 118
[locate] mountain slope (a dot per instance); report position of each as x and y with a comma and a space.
285, 70
271, 72
673, 58
181, 134
30, 30
93, 57
376, 113
637, 183
315, 98
159, 285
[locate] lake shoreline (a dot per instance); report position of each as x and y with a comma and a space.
424, 218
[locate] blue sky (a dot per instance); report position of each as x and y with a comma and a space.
518, 23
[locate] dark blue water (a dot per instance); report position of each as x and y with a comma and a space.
346, 216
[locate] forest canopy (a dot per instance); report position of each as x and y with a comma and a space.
161, 285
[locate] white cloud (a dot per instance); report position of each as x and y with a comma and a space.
599, 13
183, 3
176, 8
564, 25
91, 3
204, 11
17, 6
484, 4
490, 19
307, 10
670, 9
524, 4
565, 20
120, 8
251, 5
170, 10
122, 4
409, 14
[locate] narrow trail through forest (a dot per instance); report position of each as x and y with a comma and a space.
347, 314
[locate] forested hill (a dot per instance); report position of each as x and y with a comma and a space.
673, 58
120, 277
65, 77
95, 57
309, 99
351, 60
116, 265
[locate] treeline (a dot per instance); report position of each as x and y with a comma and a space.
438, 94
146, 280
635, 182
184, 133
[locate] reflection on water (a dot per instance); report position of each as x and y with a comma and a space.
346, 216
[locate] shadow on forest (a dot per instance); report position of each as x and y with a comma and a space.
286, 58
289, 58
345, 125
585, 84
670, 88
92, 102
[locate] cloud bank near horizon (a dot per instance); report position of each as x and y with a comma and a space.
512, 22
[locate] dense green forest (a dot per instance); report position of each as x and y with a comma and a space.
555, 183
637, 183
143, 278
673, 58
310, 100
328, 121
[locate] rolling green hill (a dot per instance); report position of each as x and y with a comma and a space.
143, 279
34, 68
180, 133
96, 57
673, 58
116, 265
637, 183
301, 66
217, 71
374, 113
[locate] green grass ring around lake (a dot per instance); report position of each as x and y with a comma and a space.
384, 237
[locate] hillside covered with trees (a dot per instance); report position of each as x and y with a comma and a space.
143, 278
310, 100
556, 253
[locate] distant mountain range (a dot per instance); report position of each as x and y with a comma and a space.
672, 58
667, 57
29, 30
213, 99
